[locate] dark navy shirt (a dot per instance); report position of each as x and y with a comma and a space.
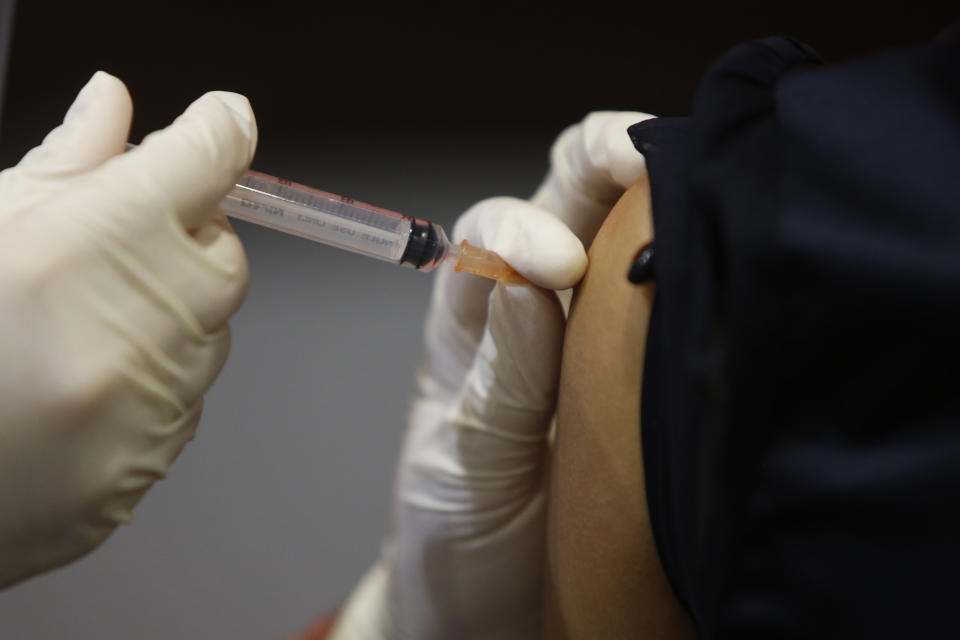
801, 400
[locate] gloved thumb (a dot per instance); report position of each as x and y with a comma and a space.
192, 164
95, 129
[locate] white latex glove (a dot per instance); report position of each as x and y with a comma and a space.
466, 556
117, 276
591, 164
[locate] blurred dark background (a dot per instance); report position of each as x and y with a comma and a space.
271, 515
323, 74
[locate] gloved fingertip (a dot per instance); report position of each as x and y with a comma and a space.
238, 105
553, 264
107, 80
609, 145
537, 245
94, 129
534, 242
242, 113
98, 86
222, 114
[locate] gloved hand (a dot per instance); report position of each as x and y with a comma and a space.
466, 555
117, 276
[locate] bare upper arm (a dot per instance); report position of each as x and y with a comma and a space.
604, 579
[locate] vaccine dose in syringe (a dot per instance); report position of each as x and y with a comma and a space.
337, 221
361, 228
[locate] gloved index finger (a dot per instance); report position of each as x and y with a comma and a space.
190, 166
532, 241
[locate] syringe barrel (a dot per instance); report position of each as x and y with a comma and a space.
337, 221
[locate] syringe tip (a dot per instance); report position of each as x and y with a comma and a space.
488, 264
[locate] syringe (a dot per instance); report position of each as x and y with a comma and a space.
361, 228
358, 227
